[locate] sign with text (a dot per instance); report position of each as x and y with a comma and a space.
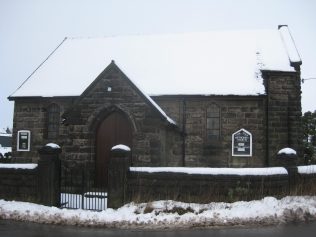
24, 140
242, 143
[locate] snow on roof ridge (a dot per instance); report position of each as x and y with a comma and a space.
289, 44
168, 33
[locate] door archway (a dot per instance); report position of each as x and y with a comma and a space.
114, 129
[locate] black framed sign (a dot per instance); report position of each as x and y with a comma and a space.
24, 140
242, 143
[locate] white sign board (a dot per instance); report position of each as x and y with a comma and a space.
242, 143
24, 140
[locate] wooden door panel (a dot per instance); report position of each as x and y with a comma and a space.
114, 129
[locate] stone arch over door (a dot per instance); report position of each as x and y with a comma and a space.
114, 129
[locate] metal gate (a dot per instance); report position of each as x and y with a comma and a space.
80, 191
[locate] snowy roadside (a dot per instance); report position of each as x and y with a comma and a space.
170, 214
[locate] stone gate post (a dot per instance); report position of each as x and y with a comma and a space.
120, 162
49, 175
288, 158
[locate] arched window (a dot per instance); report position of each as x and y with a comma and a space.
53, 121
213, 122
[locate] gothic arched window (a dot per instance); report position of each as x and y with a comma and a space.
53, 121
213, 128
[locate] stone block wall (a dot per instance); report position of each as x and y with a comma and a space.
145, 187
31, 114
236, 112
152, 136
19, 184
274, 120
283, 113
112, 91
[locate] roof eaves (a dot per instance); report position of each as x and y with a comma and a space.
12, 95
147, 98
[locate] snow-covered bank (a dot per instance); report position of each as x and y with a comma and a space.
170, 214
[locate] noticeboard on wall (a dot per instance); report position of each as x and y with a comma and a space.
242, 143
24, 140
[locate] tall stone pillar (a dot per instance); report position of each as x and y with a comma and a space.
49, 175
283, 119
119, 164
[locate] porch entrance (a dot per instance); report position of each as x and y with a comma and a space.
114, 129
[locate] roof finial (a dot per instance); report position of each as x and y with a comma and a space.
280, 26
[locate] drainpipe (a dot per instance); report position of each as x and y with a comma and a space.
183, 130
267, 121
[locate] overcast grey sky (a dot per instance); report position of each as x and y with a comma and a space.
31, 29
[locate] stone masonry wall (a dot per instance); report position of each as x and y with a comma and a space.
112, 91
151, 136
31, 114
284, 113
274, 120
236, 112
199, 188
19, 184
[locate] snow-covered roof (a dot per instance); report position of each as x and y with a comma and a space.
3, 132
220, 63
5, 135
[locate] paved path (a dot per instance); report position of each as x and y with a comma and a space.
21, 229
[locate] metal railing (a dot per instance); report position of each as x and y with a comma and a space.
79, 190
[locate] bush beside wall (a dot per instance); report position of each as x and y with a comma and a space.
144, 187
306, 184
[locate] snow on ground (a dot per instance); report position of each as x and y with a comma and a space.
170, 214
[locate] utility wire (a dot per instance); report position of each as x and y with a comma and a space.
310, 78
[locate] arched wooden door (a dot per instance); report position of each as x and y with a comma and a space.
114, 129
